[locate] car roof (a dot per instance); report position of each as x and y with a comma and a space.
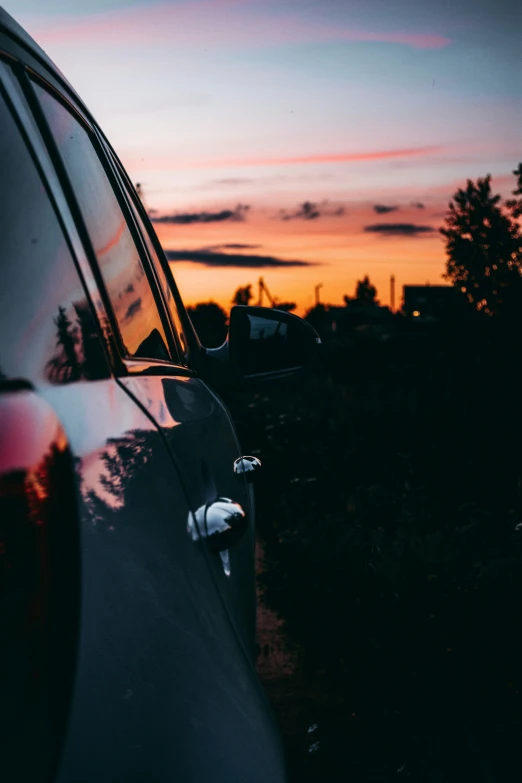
15, 31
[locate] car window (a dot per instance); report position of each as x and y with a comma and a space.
48, 330
162, 277
129, 290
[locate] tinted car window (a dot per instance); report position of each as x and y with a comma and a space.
164, 283
128, 287
47, 327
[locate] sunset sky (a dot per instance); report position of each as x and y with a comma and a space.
304, 141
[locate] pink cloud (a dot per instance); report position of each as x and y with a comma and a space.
167, 162
207, 23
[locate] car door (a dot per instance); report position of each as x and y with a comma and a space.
154, 679
208, 448
195, 423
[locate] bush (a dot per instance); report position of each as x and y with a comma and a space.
391, 527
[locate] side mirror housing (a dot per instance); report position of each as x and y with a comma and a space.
268, 343
263, 343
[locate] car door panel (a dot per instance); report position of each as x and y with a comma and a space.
160, 676
202, 441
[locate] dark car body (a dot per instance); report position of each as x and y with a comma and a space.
126, 643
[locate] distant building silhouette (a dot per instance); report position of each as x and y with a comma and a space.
432, 302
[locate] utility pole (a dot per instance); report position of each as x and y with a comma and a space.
263, 289
316, 291
392, 293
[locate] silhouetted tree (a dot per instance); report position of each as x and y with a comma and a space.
484, 246
243, 295
515, 204
288, 306
210, 323
365, 293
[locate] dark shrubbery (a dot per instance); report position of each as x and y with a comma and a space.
390, 521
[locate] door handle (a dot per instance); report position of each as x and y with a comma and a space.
247, 466
221, 522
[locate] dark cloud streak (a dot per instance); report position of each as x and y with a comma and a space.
398, 229
382, 209
216, 259
185, 218
132, 309
310, 210
236, 246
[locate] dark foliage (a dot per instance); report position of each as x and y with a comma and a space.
243, 295
393, 540
484, 247
365, 293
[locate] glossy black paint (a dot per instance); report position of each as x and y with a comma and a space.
161, 681
39, 584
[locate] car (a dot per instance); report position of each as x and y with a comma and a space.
127, 534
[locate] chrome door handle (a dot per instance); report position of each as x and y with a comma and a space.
222, 523
247, 466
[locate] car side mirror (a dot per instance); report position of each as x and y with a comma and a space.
268, 343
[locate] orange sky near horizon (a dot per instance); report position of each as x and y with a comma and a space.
340, 261
338, 249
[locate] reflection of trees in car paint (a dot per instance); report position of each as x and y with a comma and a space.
106, 488
39, 585
79, 352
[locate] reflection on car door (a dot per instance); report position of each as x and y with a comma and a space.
201, 438
161, 687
